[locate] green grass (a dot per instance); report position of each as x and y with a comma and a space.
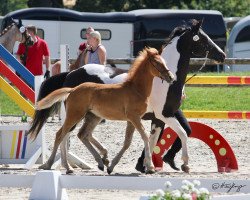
198, 98
217, 98
7, 106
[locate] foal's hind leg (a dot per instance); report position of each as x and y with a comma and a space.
64, 154
50, 161
85, 135
91, 121
128, 138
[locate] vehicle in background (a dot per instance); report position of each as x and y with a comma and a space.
124, 34
238, 45
230, 22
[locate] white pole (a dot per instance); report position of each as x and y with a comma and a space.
64, 55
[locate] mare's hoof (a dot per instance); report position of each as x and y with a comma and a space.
109, 170
105, 162
70, 172
185, 168
101, 168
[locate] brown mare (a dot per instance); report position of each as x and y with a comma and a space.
131, 101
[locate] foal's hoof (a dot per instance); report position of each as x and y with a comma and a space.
101, 167
109, 170
69, 171
185, 168
44, 167
150, 171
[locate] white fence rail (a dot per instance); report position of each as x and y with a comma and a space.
52, 185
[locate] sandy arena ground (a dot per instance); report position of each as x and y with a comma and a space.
202, 161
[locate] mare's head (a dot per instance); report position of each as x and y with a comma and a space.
15, 32
22, 34
199, 43
157, 64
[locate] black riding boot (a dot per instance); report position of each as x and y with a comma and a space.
139, 165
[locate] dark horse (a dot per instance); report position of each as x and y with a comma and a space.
184, 42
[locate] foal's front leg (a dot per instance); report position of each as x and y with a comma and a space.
128, 138
148, 156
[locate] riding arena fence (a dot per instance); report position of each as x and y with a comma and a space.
17, 149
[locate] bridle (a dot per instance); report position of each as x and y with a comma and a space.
25, 36
156, 66
199, 70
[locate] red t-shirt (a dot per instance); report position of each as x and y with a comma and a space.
34, 61
83, 46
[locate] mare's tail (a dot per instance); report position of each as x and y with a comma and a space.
54, 97
40, 117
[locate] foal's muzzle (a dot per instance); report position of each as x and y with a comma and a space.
168, 76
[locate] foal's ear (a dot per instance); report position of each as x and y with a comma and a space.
160, 50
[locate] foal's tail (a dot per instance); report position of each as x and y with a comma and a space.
54, 97
40, 117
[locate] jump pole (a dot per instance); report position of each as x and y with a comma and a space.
15, 146
72, 158
225, 157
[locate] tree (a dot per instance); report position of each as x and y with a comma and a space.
11, 5
45, 3
227, 7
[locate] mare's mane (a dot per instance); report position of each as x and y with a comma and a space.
6, 29
178, 31
140, 60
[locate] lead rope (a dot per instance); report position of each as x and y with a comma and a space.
204, 64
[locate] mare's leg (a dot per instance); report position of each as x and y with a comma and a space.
175, 125
157, 127
85, 135
148, 156
176, 147
128, 138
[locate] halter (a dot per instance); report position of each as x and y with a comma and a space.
161, 72
203, 65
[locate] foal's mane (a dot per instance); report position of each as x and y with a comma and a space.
6, 29
140, 60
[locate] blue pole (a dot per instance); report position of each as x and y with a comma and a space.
19, 68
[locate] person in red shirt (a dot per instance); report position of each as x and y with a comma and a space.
34, 56
84, 45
